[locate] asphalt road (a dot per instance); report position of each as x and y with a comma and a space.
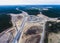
17, 37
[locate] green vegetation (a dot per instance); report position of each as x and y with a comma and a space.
55, 27
32, 11
52, 12
5, 22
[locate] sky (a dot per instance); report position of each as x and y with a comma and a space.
29, 2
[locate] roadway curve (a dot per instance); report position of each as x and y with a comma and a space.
19, 32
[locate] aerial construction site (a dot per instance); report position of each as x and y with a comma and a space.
32, 29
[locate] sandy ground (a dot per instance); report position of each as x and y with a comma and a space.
54, 38
26, 27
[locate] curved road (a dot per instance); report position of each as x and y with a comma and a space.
16, 38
